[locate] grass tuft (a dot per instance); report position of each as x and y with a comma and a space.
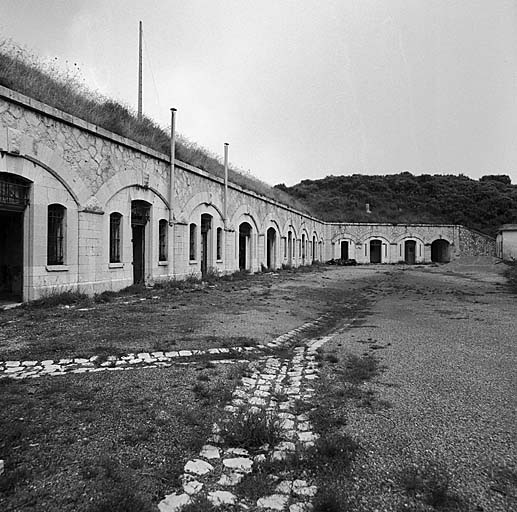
251, 429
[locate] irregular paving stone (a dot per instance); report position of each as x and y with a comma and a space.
307, 436
192, 487
301, 488
174, 502
301, 507
284, 487
230, 479
221, 498
198, 467
209, 452
273, 502
239, 464
238, 451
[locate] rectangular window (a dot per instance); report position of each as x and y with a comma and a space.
192, 242
162, 240
115, 223
219, 244
56, 235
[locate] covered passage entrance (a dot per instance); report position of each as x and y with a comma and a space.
245, 246
440, 251
375, 251
139, 219
14, 198
410, 252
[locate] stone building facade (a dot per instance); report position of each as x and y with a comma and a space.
83, 208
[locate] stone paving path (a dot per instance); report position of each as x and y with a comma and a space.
273, 389
34, 369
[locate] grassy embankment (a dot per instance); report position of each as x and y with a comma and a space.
48, 83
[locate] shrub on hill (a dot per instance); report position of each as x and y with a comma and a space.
405, 198
64, 90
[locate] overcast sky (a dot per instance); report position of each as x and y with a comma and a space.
303, 89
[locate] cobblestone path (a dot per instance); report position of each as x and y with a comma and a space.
275, 389
35, 369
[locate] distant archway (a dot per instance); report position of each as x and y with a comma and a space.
440, 251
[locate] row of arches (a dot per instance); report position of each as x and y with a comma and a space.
410, 251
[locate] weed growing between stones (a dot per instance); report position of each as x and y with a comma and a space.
251, 429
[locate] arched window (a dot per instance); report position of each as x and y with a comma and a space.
162, 240
192, 242
115, 237
219, 244
56, 235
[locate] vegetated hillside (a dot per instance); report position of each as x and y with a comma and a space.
401, 198
48, 83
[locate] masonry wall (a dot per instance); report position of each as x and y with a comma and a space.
95, 174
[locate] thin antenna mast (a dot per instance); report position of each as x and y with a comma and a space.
140, 72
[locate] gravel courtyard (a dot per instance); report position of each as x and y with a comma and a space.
446, 337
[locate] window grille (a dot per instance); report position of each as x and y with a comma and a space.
162, 236
115, 237
56, 235
14, 195
219, 244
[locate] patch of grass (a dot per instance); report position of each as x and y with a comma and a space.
55, 298
430, 482
251, 429
332, 358
256, 485
12, 478
360, 369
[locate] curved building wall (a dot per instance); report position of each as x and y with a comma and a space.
124, 223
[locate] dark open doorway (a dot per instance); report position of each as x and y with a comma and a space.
344, 250
14, 198
139, 219
245, 246
440, 251
410, 252
375, 251
271, 248
206, 230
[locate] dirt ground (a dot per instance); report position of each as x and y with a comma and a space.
443, 335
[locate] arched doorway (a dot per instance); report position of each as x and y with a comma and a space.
245, 246
271, 248
303, 249
14, 198
206, 246
375, 251
140, 213
314, 257
410, 252
344, 250
440, 251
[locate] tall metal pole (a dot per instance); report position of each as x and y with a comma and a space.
173, 158
225, 212
140, 72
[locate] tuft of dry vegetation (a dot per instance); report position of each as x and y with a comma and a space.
47, 82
